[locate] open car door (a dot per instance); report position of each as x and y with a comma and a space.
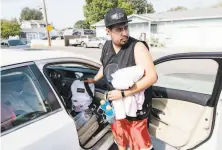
185, 99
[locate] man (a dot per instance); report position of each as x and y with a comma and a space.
120, 52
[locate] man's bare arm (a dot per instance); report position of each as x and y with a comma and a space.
143, 58
99, 75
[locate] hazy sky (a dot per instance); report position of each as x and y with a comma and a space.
64, 13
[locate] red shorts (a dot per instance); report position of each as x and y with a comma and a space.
132, 133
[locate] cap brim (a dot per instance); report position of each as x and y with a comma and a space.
119, 22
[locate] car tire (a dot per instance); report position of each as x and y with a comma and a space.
100, 46
84, 45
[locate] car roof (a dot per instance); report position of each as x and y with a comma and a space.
16, 56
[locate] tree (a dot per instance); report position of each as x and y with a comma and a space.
141, 6
82, 24
94, 10
150, 8
30, 14
178, 8
10, 28
127, 6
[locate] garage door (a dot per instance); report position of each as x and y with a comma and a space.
203, 37
186, 37
212, 37
135, 29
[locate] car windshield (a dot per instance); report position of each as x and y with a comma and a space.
15, 42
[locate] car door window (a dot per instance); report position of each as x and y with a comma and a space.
25, 96
194, 75
93, 39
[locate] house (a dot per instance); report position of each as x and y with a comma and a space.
33, 24
189, 28
35, 29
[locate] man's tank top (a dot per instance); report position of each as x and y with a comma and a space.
113, 61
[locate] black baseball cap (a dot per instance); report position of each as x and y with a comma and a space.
115, 16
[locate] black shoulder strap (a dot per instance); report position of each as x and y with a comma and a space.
144, 42
88, 90
104, 51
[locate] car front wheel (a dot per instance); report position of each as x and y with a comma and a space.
84, 45
100, 46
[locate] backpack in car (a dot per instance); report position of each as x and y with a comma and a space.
80, 97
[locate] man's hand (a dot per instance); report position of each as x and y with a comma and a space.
96, 78
114, 95
90, 80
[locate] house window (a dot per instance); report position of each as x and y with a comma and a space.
34, 25
23, 35
153, 28
42, 25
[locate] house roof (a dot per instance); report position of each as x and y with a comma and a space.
177, 15
35, 21
39, 21
186, 14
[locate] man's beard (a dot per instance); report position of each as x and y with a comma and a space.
124, 40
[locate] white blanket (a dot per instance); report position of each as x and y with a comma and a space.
124, 79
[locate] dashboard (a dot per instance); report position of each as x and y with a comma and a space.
54, 75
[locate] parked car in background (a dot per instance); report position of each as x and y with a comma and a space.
94, 42
104, 38
14, 43
54, 38
79, 40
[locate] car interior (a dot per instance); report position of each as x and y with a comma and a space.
96, 130
168, 106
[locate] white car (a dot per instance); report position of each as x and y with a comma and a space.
35, 102
94, 42
79, 40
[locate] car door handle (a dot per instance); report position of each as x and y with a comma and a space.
156, 112
157, 95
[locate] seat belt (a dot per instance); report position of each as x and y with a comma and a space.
93, 105
88, 90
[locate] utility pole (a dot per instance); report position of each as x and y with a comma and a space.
46, 20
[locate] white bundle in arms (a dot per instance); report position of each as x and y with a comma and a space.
80, 97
